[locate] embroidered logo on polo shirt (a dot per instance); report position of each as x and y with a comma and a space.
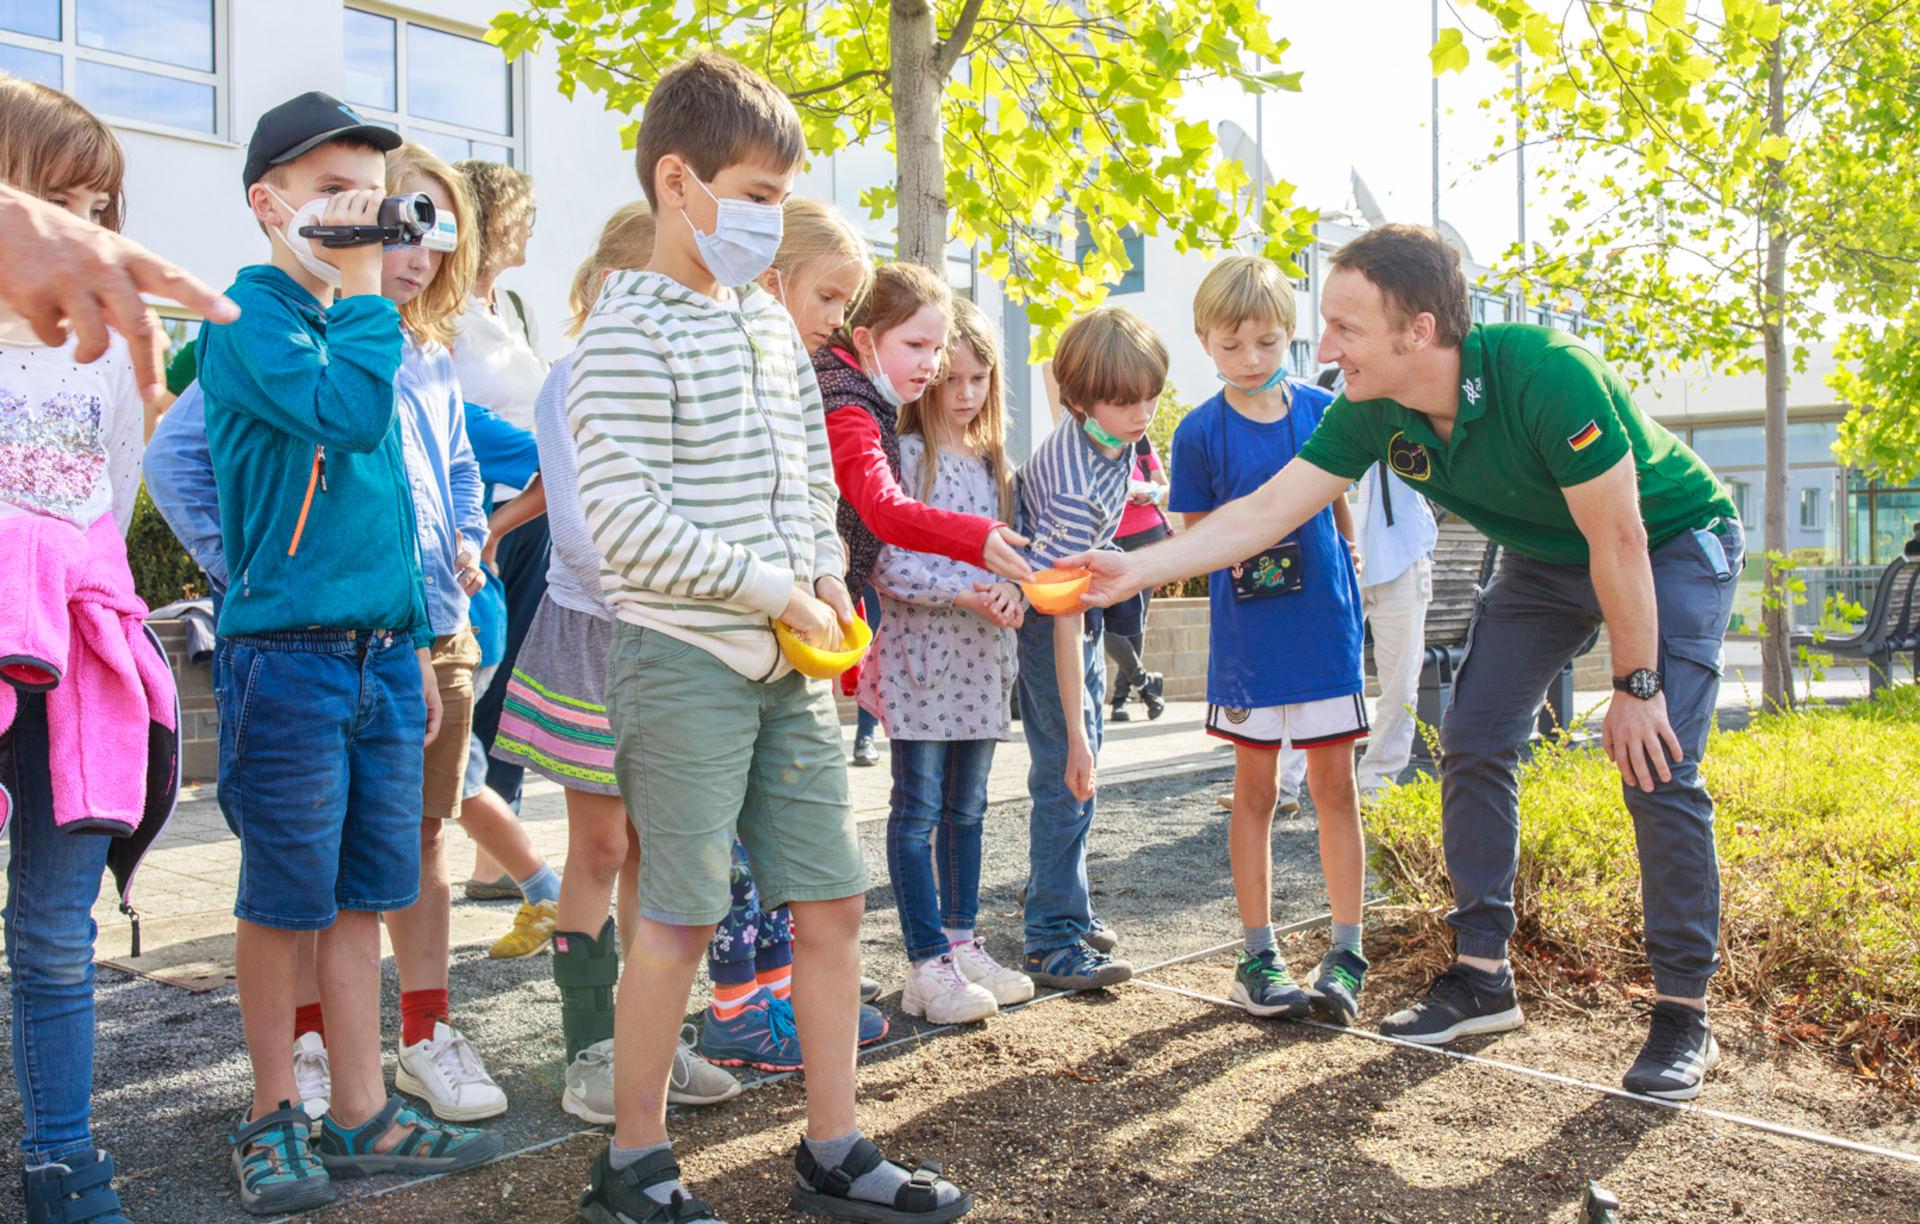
1586, 437
1473, 389
1409, 460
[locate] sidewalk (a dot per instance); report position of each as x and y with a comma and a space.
184, 891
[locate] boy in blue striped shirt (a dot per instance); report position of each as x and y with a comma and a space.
1110, 367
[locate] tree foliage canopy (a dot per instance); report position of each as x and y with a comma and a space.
1676, 165
1047, 108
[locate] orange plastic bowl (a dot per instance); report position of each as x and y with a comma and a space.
1057, 592
824, 664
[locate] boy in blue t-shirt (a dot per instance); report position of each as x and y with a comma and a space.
1283, 667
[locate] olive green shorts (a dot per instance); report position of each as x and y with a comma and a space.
703, 755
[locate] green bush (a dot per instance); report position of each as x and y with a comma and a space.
1818, 825
162, 570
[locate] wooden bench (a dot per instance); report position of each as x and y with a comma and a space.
1892, 625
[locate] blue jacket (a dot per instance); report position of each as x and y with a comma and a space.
448, 505
179, 474
316, 518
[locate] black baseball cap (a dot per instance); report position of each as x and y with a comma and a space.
300, 125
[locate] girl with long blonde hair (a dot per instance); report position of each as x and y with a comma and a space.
940, 678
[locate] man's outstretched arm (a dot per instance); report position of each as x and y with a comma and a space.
1232, 533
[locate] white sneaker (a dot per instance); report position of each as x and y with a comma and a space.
694, 1080
311, 1076
446, 1073
589, 1094
1007, 986
937, 990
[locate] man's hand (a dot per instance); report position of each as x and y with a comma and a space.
1638, 737
59, 272
1079, 767
359, 265
831, 591
1002, 555
430, 686
467, 572
1113, 577
812, 621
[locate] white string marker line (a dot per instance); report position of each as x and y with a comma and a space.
1567, 1081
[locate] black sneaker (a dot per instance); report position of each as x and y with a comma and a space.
1336, 988
1119, 712
1680, 1050
1153, 686
619, 1196
1455, 1006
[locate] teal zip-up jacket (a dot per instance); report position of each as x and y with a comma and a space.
315, 514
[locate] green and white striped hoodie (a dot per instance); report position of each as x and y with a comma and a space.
704, 468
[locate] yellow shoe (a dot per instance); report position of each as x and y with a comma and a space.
532, 929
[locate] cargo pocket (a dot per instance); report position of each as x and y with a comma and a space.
1691, 671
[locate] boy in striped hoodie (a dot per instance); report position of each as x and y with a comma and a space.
708, 488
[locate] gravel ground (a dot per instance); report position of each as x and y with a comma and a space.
171, 1073
1148, 1106
1142, 1106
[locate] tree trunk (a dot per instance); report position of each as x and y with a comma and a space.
920, 165
1776, 659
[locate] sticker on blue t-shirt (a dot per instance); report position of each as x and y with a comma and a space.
1268, 652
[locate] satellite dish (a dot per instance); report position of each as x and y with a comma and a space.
1237, 144
1370, 210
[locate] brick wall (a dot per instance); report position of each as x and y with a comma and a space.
199, 722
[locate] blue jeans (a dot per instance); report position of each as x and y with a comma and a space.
320, 771
939, 802
1059, 907
53, 879
866, 724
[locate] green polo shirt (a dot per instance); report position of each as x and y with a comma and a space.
1538, 414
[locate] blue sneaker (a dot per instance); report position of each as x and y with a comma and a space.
78, 1190
761, 1034
1265, 987
1076, 967
873, 1025
1336, 989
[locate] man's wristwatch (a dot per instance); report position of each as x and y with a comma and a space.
1643, 684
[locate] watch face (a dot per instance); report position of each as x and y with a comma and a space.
1644, 684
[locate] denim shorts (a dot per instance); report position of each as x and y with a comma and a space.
320, 771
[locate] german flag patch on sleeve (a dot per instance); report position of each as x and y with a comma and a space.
1589, 433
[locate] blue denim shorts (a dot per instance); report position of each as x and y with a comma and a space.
321, 738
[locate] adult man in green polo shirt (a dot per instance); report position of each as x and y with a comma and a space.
1604, 517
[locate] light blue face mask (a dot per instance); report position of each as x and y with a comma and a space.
1273, 380
745, 237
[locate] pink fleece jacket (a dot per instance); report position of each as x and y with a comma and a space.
71, 626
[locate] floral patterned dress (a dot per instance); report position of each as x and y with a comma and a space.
936, 671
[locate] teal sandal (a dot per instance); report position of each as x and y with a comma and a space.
276, 1166
431, 1146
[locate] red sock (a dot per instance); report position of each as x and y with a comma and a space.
418, 1011
776, 982
307, 1019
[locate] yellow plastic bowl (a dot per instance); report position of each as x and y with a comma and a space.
824, 664
1057, 592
